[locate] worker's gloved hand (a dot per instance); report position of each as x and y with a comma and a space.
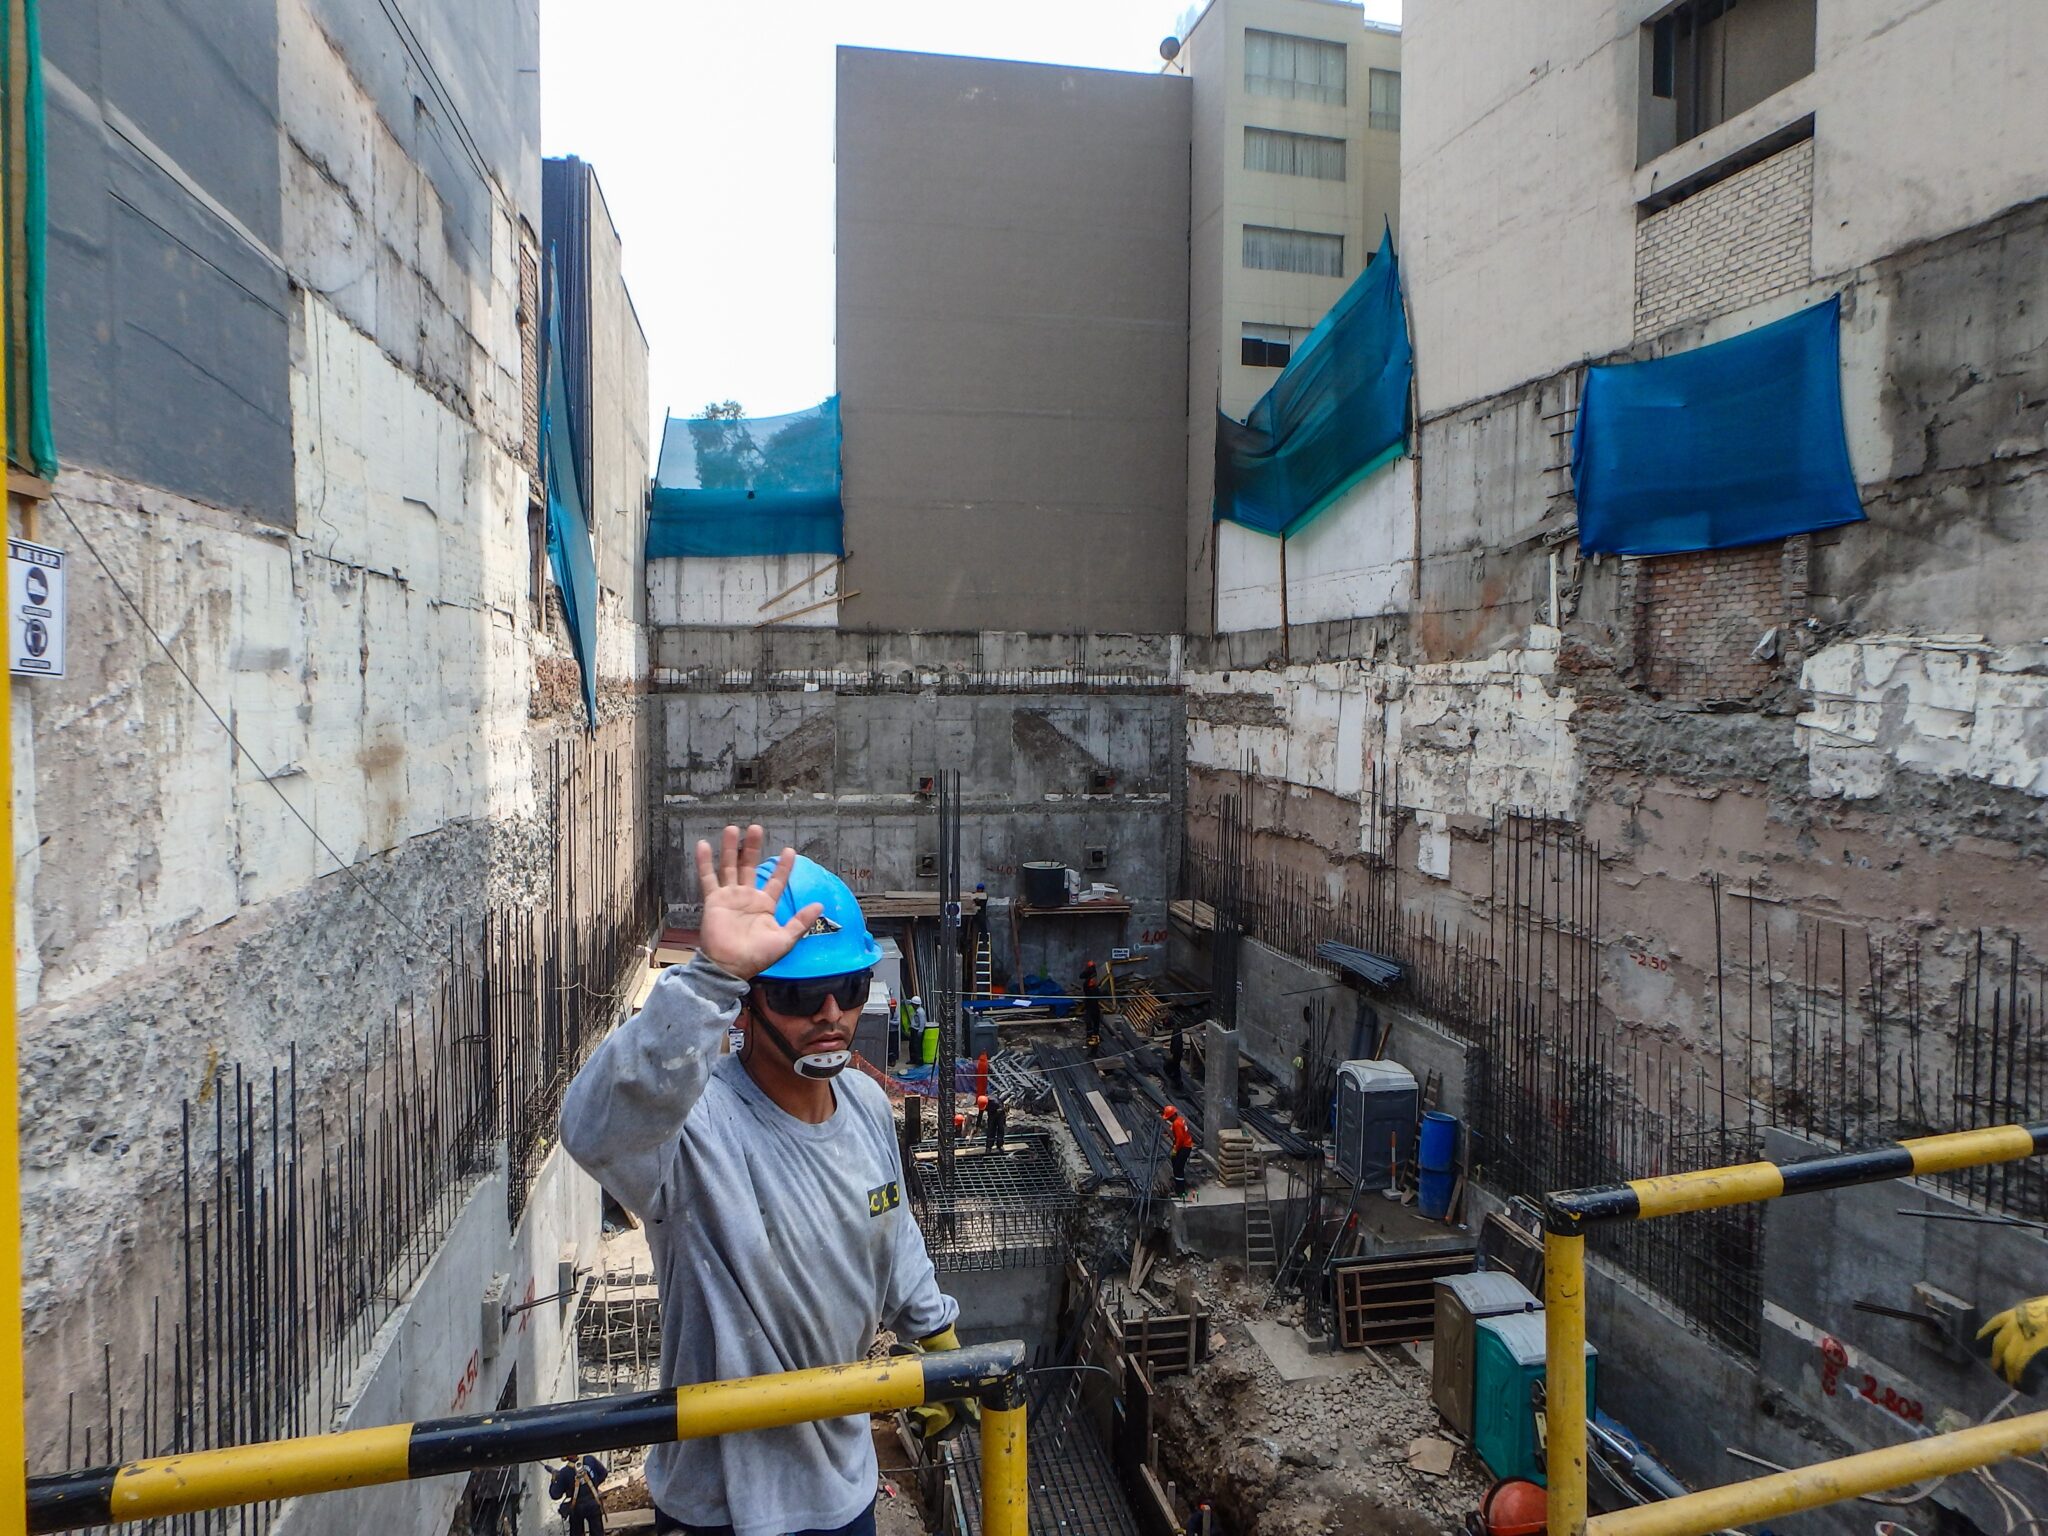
2019, 1343
940, 1421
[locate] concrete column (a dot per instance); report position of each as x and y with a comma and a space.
1219, 1086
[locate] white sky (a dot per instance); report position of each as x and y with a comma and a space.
709, 123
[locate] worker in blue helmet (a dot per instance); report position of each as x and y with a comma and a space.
770, 1185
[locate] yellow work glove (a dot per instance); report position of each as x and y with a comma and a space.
941, 1421
2018, 1336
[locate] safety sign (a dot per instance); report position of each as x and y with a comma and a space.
35, 609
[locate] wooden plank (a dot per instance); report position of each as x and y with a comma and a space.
1113, 1126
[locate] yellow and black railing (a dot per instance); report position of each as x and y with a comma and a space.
992, 1374
1566, 1217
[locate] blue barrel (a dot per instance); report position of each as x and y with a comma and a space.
1437, 1160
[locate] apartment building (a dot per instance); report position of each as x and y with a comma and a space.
1294, 174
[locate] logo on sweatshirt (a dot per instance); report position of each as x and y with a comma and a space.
884, 1197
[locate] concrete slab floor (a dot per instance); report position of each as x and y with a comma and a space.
1296, 1359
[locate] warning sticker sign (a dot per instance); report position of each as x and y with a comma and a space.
35, 609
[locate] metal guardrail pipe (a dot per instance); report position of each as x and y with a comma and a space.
1784, 1493
1567, 1214
283, 1469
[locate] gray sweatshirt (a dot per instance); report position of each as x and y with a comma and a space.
777, 1245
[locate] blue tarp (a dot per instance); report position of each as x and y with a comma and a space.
569, 552
768, 486
1728, 444
1338, 411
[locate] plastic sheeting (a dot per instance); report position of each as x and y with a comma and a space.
569, 553
1338, 411
767, 486
1729, 444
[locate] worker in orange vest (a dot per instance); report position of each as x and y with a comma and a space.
1183, 1144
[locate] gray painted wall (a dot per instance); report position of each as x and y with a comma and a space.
167, 306
168, 302
1036, 214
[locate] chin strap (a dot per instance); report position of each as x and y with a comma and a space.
823, 1065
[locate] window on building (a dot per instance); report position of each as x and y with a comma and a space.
1293, 250
1269, 346
1294, 154
1383, 99
1707, 61
1299, 68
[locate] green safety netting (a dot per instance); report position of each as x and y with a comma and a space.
1338, 411
569, 553
738, 486
30, 441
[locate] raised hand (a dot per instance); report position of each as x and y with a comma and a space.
739, 933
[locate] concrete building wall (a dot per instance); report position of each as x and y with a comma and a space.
1038, 215
290, 401
436, 1355
823, 737
1706, 714
744, 590
621, 462
1840, 733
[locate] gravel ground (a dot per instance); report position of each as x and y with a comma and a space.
1328, 1455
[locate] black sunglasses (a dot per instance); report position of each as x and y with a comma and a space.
800, 998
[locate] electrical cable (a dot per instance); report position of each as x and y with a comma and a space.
199, 693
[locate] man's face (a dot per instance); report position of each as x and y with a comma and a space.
824, 1020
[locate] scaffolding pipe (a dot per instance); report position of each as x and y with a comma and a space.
1567, 1214
1830, 1482
283, 1469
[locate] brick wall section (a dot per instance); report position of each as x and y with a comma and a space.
1699, 617
1736, 242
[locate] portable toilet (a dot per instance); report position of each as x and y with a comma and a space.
1508, 1365
1462, 1302
1377, 1103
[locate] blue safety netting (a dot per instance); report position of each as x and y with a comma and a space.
1338, 411
569, 554
762, 486
1728, 444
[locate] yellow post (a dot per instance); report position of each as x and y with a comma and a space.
1831, 1482
1005, 1486
13, 1404
1564, 1380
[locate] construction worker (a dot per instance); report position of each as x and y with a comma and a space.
995, 1117
1091, 1008
2018, 1342
771, 1189
1183, 1144
575, 1484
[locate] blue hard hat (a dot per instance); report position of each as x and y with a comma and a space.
839, 941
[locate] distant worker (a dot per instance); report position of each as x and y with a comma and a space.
1091, 1008
770, 1187
2018, 1340
574, 1486
996, 1117
1183, 1144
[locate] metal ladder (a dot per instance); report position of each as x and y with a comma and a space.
1261, 1258
984, 968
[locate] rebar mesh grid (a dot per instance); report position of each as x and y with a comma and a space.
1074, 1487
1011, 1209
